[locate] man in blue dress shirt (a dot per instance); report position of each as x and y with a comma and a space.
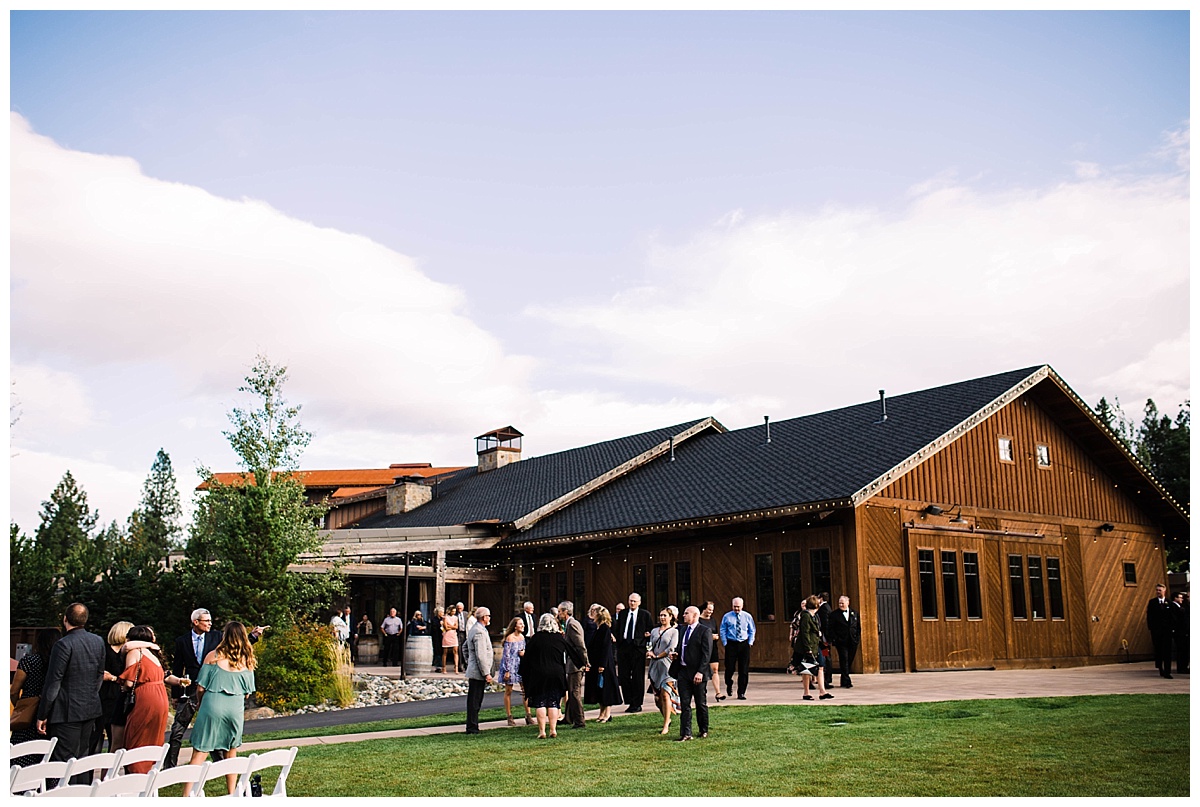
737, 635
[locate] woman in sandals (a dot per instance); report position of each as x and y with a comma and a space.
225, 679
511, 650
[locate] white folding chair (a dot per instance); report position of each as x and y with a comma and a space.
187, 775
281, 758
98, 765
32, 778
31, 747
147, 753
66, 790
129, 784
218, 770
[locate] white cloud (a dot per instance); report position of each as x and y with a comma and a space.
111, 491
49, 401
110, 266
1089, 276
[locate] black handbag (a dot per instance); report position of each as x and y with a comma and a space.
131, 695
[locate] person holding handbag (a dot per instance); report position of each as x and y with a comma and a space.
25, 690
600, 684
144, 681
806, 651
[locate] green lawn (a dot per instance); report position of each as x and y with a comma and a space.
1085, 746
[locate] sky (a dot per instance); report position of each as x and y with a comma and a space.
584, 225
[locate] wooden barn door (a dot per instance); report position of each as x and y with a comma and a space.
891, 627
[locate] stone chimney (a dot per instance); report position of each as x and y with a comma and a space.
409, 493
498, 448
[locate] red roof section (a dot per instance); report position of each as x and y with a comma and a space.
364, 478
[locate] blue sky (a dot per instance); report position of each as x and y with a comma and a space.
584, 224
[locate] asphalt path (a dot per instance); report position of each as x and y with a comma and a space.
366, 714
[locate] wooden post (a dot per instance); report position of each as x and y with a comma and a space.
439, 573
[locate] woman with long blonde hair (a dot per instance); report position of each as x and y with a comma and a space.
225, 679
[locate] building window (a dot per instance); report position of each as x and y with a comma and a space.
950, 584
1043, 456
544, 590
764, 578
578, 591
1006, 449
1016, 583
974, 591
683, 583
661, 571
928, 585
1037, 592
639, 582
1130, 574
793, 588
1054, 583
560, 586
821, 579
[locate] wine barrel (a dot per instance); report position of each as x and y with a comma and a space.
418, 655
368, 649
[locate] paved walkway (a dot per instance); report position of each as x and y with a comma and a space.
777, 688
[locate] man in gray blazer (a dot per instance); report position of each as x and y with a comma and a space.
573, 631
479, 666
70, 702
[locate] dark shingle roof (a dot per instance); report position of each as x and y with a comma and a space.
508, 493
827, 456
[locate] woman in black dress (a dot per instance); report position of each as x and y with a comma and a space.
544, 672
112, 694
714, 661
600, 682
27, 683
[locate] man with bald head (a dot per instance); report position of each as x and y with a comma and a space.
690, 669
737, 635
632, 632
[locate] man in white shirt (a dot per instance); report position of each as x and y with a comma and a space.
392, 627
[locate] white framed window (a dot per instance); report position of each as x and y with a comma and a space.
1043, 455
1005, 447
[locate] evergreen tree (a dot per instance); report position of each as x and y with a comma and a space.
245, 535
155, 523
31, 583
67, 523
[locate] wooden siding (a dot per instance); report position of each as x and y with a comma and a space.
1120, 628
721, 569
969, 472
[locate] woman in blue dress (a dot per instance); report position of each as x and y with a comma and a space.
225, 680
512, 648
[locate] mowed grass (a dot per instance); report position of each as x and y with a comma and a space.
1084, 746
485, 715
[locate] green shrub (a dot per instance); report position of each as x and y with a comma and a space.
296, 667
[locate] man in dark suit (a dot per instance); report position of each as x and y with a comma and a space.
1182, 633
824, 611
529, 618
190, 650
70, 704
845, 632
1160, 623
690, 669
573, 631
633, 629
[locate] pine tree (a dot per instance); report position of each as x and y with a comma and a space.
31, 583
156, 521
67, 523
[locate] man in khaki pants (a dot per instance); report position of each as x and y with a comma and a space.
573, 631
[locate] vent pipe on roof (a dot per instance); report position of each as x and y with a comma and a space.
672, 448
882, 408
767, 423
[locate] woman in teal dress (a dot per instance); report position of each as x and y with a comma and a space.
225, 680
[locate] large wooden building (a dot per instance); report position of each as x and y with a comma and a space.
990, 523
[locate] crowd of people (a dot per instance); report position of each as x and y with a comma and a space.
1168, 620
96, 694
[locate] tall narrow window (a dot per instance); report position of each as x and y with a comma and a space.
560, 586
1043, 455
1130, 574
639, 582
544, 590
1037, 590
821, 579
660, 586
928, 584
683, 583
1016, 584
764, 578
974, 590
950, 584
793, 588
1054, 583
577, 591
